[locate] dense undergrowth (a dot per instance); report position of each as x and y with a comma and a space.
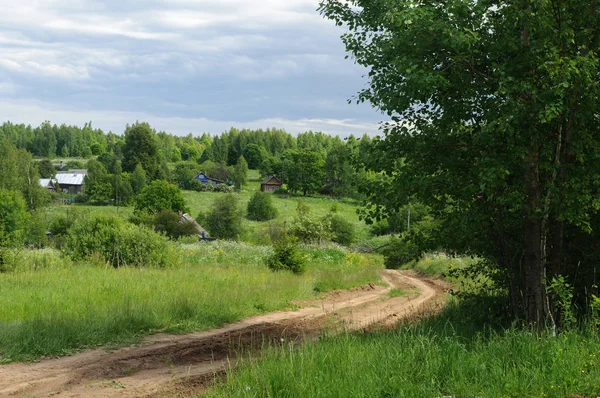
51, 305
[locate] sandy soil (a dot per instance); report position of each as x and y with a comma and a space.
165, 365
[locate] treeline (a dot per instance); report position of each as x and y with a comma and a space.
312, 162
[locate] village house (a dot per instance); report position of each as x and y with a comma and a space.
271, 184
203, 178
72, 181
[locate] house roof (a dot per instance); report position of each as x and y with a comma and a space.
74, 171
45, 182
270, 179
70, 178
203, 177
187, 218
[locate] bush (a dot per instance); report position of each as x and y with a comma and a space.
399, 252
308, 228
224, 221
160, 195
260, 207
286, 256
118, 243
169, 223
342, 229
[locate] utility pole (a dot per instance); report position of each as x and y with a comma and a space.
408, 228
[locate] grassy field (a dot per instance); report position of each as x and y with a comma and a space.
257, 232
52, 306
467, 351
442, 356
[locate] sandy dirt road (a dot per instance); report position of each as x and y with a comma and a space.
163, 365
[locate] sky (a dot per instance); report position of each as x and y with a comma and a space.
184, 66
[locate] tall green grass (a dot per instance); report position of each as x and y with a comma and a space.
53, 306
431, 359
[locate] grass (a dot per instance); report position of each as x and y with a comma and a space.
439, 264
398, 293
257, 232
430, 359
51, 306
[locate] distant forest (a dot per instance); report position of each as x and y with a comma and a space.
310, 162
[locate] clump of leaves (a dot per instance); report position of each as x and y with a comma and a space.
260, 207
286, 256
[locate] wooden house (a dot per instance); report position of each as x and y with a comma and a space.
271, 184
203, 178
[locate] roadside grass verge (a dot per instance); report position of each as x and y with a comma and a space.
51, 306
441, 356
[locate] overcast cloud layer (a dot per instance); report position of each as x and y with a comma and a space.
182, 65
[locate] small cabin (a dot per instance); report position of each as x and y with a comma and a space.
271, 184
203, 178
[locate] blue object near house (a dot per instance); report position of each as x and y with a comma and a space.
203, 178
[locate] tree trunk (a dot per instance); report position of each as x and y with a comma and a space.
535, 306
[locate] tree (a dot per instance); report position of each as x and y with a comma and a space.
160, 195
137, 179
305, 171
260, 207
13, 218
493, 110
46, 168
240, 173
224, 221
255, 155
141, 147
99, 185
184, 173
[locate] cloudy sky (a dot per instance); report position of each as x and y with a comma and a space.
182, 65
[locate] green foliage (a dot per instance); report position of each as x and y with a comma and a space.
400, 251
46, 168
138, 179
184, 173
563, 297
215, 283
255, 154
304, 171
217, 170
496, 138
260, 207
342, 229
118, 243
308, 228
240, 173
13, 219
141, 147
169, 223
286, 256
18, 172
99, 186
160, 195
224, 221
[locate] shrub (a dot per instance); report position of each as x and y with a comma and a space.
308, 228
342, 229
399, 252
224, 221
260, 207
286, 257
160, 195
169, 223
118, 243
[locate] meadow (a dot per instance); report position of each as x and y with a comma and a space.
434, 358
468, 350
52, 306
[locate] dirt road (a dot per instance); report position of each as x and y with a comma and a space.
164, 364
